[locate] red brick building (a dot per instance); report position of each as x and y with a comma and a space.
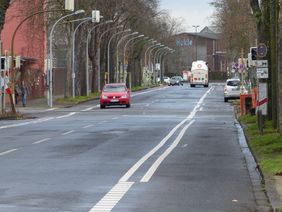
29, 43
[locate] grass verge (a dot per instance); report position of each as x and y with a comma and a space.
267, 148
76, 99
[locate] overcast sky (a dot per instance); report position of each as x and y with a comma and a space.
194, 12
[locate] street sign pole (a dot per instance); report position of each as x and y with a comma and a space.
262, 74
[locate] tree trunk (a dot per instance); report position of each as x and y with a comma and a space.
274, 56
68, 85
280, 75
262, 15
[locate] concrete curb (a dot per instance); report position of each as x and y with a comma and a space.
256, 176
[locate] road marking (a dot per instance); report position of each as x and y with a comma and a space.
90, 108
27, 123
42, 140
87, 126
69, 132
201, 109
185, 145
109, 201
7, 152
114, 118
51, 109
158, 162
134, 168
65, 116
133, 95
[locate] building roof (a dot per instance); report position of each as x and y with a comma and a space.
206, 32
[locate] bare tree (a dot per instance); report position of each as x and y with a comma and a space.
236, 25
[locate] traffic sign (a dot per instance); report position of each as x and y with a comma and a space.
262, 73
262, 63
261, 50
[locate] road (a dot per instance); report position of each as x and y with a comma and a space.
176, 149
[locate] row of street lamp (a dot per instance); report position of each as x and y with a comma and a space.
160, 51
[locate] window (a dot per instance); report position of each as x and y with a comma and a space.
114, 88
233, 83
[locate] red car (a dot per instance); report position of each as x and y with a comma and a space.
115, 94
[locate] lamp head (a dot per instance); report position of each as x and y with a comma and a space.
79, 12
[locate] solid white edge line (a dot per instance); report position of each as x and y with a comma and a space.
41, 141
158, 162
7, 152
134, 168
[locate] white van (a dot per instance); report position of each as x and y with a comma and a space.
199, 74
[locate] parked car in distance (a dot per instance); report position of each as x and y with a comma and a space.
175, 80
166, 79
115, 94
231, 89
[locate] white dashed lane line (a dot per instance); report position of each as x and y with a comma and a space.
90, 108
65, 116
69, 132
7, 152
42, 140
87, 126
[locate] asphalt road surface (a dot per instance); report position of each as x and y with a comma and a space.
175, 150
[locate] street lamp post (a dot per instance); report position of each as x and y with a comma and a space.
98, 54
146, 51
124, 52
73, 54
150, 52
86, 54
161, 54
109, 44
117, 62
51, 54
196, 30
151, 68
155, 58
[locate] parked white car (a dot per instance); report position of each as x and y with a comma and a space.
166, 79
232, 89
